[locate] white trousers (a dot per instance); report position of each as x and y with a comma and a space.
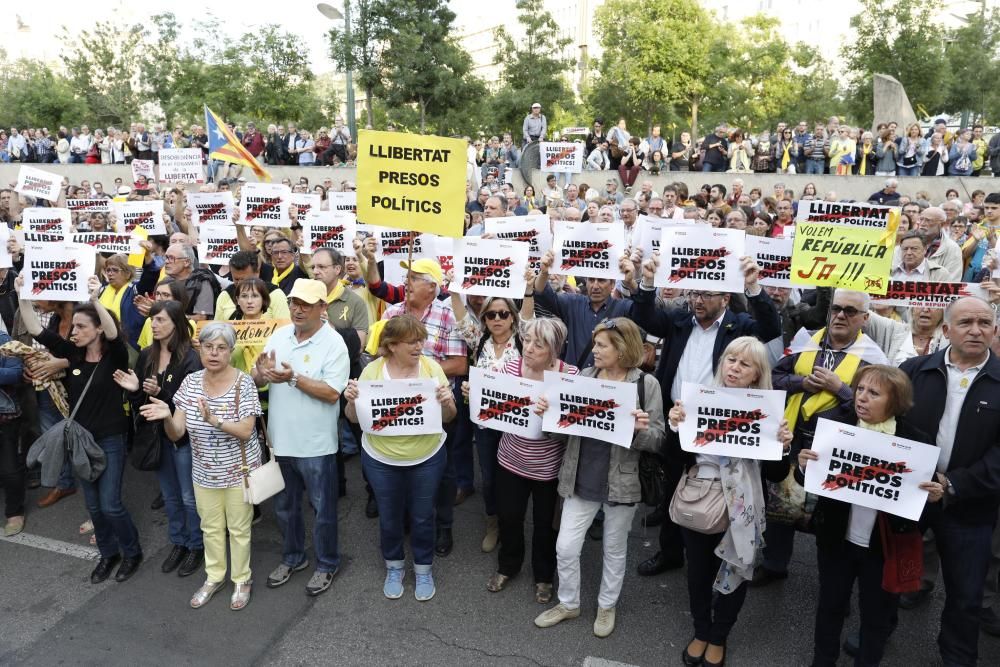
577, 516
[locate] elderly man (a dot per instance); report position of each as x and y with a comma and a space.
203, 286
887, 195
913, 263
940, 246
306, 365
345, 309
283, 271
535, 126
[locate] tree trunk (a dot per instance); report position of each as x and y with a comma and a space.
694, 120
368, 108
423, 115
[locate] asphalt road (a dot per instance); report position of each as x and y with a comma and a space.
50, 613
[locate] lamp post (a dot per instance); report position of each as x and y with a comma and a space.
334, 14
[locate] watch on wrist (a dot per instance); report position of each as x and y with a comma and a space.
294, 380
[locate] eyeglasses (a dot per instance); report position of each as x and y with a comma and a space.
696, 296
170, 260
296, 228
497, 314
848, 311
215, 349
112, 269
281, 252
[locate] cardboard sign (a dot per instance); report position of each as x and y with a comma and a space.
124, 244
535, 230
343, 202
563, 157
33, 182
588, 250
89, 205
393, 244
488, 267
329, 229
862, 216
649, 232
399, 407
701, 258
248, 332
923, 294
57, 271
181, 165
870, 469
212, 207
306, 204
265, 204
46, 225
504, 402
6, 261
217, 244
774, 257
590, 408
146, 214
143, 168
413, 182
721, 421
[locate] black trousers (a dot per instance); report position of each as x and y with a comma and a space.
12, 471
671, 542
512, 493
714, 614
837, 572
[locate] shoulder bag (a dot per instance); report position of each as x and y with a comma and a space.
652, 477
699, 504
266, 480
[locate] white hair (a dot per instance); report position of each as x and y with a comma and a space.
866, 300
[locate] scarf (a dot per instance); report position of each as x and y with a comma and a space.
335, 293
276, 278
112, 300
742, 544
784, 156
824, 400
888, 426
864, 159
56, 389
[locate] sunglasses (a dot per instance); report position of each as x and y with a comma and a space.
848, 311
497, 314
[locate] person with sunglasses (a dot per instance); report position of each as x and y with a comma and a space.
120, 291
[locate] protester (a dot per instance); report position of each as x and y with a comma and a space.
13, 476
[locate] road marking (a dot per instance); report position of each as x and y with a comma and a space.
591, 661
55, 546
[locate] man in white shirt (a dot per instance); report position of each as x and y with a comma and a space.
913, 263
79, 145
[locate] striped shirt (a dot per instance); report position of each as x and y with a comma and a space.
215, 455
532, 459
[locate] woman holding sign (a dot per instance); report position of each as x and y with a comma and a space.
744, 365
404, 470
852, 541
595, 474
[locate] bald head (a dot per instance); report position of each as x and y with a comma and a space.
572, 214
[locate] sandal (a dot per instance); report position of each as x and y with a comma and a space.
205, 593
241, 596
543, 593
497, 582
15, 525
86, 527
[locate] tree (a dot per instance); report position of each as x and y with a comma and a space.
279, 80
103, 65
533, 68
973, 48
362, 51
901, 38
35, 96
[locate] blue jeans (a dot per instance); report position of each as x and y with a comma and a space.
487, 442
965, 558
113, 525
49, 416
317, 476
814, 166
177, 487
75, 158
399, 489
907, 171
711, 167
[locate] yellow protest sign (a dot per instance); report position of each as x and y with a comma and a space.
412, 181
844, 245
249, 332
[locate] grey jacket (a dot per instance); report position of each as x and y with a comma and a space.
536, 127
67, 437
623, 473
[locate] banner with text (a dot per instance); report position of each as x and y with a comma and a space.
329, 229
147, 214
265, 204
588, 250
45, 225
923, 294
57, 271
562, 156
143, 169
343, 202
732, 422
774, 257
217, 244
181, 165
216, 207
124, 244
487, 267
701, 258
33, 182
649, 232
504, 402
580, 406
248, 332
89, 205
305, 204
535, 230
399, 407
393, 244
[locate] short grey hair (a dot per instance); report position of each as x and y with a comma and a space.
866, 299
214, 330
951, 307
548, 329
891, 183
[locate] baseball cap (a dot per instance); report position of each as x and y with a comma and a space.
310, 291
427, 267
536, 104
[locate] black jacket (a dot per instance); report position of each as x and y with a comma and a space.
974, 467
169, 381
805, 316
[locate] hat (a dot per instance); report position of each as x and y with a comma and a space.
241, 180
536, 104
310, 291
426, 266
124, 190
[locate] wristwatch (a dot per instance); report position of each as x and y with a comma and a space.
294, 380
218, 422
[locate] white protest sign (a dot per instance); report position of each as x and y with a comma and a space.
328, 229
588, 250
181, 165
125, 244
923, 294
866, 216
487, 267
57, 271
731, 422
343, 202
306, 204
563, 156
6, 261
393, 244
701, 258
870, 469
142, 168
774, 257
89, 205
399, 407
45, 225
444, 252
265, 204
33, 182
649, 232
214, 207
217, 243
147, 214
535, 230
504, 402
581, 406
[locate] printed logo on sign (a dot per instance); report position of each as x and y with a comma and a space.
404, 411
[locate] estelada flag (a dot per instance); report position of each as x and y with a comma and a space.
223, 145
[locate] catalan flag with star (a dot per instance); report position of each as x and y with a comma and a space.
224, 145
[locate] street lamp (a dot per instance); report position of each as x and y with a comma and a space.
334, 14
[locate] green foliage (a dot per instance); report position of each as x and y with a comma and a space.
361, 51
973, 49
104, 64
34, 96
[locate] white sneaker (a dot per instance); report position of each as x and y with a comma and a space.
604, 624
556, 615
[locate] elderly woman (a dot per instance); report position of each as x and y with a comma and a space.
405, 470
163, 366
849, 542
217, 409
595, 474
928, 332
744, 365
866, 156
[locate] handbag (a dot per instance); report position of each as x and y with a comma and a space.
699, 504
264, 481
147, 444
652, 476
903, 555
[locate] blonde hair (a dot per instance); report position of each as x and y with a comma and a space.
400, 329
121, 261
753, 351
625, 336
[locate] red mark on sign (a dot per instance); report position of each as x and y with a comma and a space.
396, 245
396, 412
865, 473
211, 211
222, 249
495, 265
586, 411
555, 157
502, 409
52, 275
585, 254
697, 264
327, 236
772, 269
268, 204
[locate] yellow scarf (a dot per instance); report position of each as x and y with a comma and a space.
823, 400
335, 293
112, 300
864, 159
888, 426
276, 277
784, 157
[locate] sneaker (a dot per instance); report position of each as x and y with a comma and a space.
393, 587
556, 615
319, 582
424, 590
604, 625
283, 573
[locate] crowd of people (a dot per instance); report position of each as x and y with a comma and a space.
216, 409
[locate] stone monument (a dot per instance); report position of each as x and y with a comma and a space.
891, 103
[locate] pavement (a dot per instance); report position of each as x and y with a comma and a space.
50, 614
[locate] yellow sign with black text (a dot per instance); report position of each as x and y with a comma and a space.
249, 332
833, 255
